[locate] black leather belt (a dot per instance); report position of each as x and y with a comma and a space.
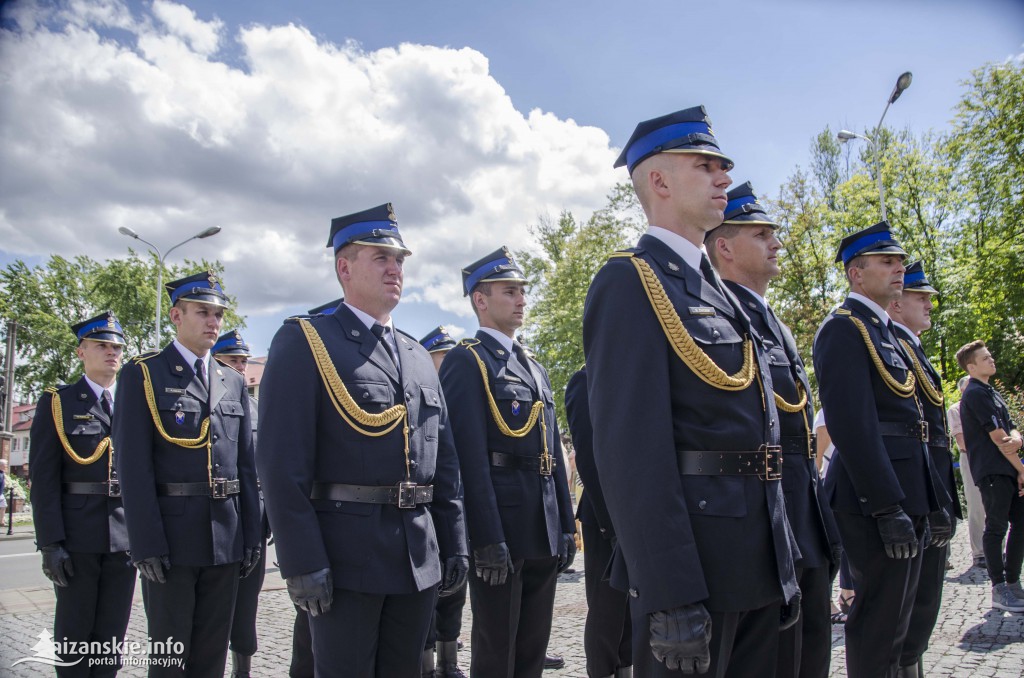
799, 445
765, 463
403, 495
522, 463
111, 489
902, 429
221, 488
938, 441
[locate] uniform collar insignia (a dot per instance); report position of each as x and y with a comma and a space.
673, 266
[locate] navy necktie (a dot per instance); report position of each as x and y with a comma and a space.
201, 371
106, 403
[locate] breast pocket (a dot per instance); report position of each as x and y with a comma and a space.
181, 415
372, 396
776, 356
711, 330
86, 428
895, 362
231, 416
514, 400
430, 412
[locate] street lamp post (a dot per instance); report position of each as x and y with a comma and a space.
124, 230
902, 83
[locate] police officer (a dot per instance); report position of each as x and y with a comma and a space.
76, 501
443, 638
188, 479
879, 482
232, 351
607, 634
359, 471
911, 314
685, 439
521, 527
744, 250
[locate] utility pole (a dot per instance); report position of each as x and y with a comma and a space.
12, 333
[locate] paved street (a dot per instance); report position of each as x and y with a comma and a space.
971, 640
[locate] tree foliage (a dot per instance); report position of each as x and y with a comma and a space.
46, 300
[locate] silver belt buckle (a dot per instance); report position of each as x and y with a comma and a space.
219, 488
925, 435
406, 495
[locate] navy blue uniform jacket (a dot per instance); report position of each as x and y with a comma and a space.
799, 474
869, 472
196, 531
943, 479
370, 548
86, 523
720, 540
522, 508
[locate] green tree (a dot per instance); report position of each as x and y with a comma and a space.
560, 275
45, 300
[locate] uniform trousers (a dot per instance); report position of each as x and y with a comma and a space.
975, 508
94, 606
743, 645
446, 625
1004, 510
512, 622
193, 607
926, 604
607, 635
302, 646
886, 588
243, 623
805, 649
367, 635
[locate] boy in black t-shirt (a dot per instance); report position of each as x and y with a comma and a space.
995, 443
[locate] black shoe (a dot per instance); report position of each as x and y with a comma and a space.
981, 562
553, 661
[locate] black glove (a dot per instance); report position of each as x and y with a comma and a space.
681, 638
493, 563
941, 529
250, 559
897, 532
834, 563
313, 592
566, 552
453, 578
153, 568
790, 612
57, 563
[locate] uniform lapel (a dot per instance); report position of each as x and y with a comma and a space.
673, 266
184, 373
89, 402
218, 387
504, 357
369, 346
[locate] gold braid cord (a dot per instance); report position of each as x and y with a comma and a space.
792, 407
902, 389
930, 392
58, 422
191, 443
531, 421
347, 407
684, 345
505, 429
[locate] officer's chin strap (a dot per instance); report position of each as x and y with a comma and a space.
354, 416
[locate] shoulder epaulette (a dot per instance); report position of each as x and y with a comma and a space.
842, 311
53, 389
622, 254
469, 341
296, 318
142, 357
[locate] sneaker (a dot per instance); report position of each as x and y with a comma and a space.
1004, 599
1016, 589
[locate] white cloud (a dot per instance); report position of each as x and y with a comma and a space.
143, 127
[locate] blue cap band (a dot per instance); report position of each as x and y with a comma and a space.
915, 277
860, 244
659, 137
193, 288
435, 340
736, 204
362, 229
486, 269
104, 323
230, 342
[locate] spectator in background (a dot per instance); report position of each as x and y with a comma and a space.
3, 490
994, 443
975, 508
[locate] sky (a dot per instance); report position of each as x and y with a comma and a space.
475, 119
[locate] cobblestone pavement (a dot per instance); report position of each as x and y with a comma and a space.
970, 639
